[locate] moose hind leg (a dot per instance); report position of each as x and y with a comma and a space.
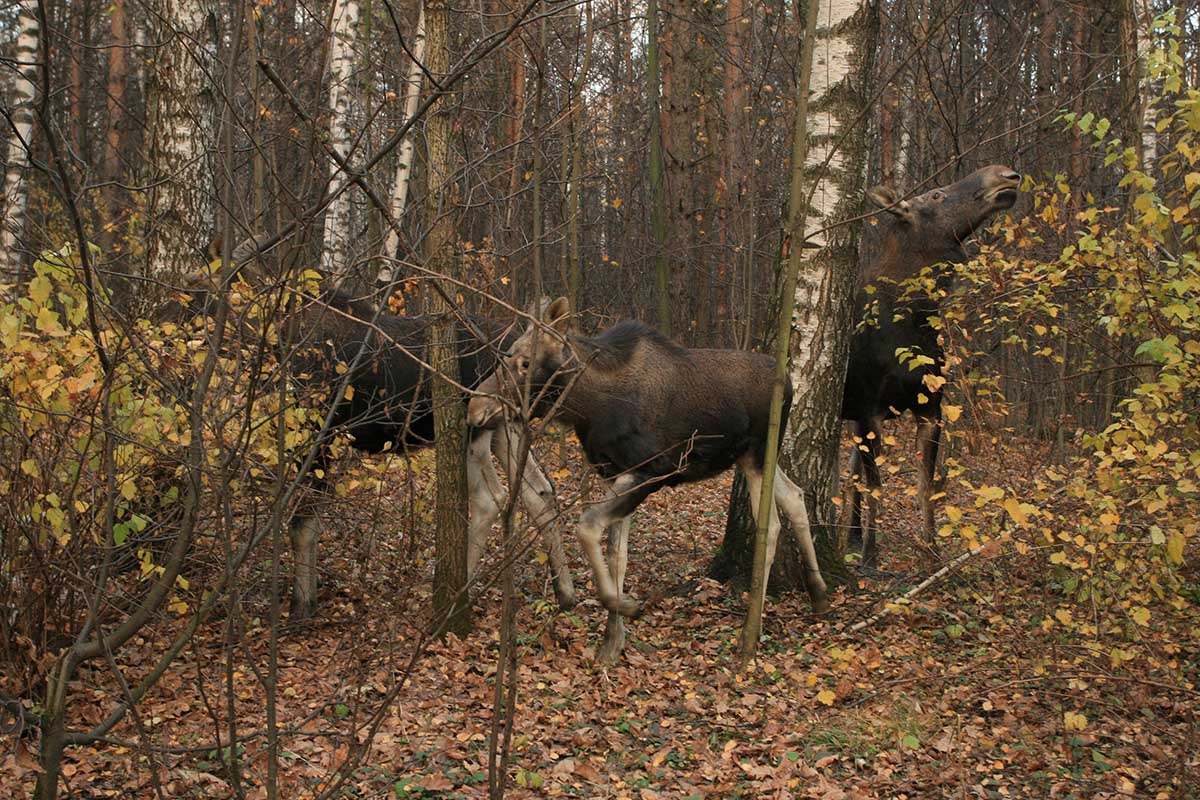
537, 493
870, 517
622, 498
618, 558
754, 480
791, 500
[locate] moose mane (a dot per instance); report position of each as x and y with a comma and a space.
615, 347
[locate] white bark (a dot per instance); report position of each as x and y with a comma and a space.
412, 94
832, 56
182, 138
335, 255
16, 190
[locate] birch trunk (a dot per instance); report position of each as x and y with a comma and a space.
183, 203
404, 160
1144, 16
16, 188
822, 311
335, 253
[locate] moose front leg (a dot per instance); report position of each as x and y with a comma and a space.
483, 492
305, 535
929, 435
618, 558
537, 493
621, 499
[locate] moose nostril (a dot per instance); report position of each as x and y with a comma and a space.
1012, 176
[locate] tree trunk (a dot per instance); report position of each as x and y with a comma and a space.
182, 204
118, 77
658, 203
823, 304
16, 188
335, 252
450, 600
574, 208
412, 93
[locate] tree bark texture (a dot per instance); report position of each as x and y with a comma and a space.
183, 200
822, 315
450, 600
343, 32
16, 189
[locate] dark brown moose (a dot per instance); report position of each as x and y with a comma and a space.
648, 414
913, 234
391, 407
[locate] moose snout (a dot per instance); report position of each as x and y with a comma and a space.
483, 411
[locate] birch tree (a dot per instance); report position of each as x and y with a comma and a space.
404, 159
343, 31
822, 199
16, 194
182, 202
823, 309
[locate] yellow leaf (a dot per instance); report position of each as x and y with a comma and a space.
987, 494
1073, 721
1063, 615
30, 468
826, 697
616, 203
1013, 507
952, 413
933, 382
1175, 548
1140, 615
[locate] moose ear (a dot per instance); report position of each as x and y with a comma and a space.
558, 314
885, 197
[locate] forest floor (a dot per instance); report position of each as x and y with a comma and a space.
965, 694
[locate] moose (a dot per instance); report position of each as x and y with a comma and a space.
648, 413
391, 406
912, 234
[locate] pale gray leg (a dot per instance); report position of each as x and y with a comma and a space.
537, 493
929, 434
484, 492
305, 533
791, 500
754, 479
618, 558
592, 526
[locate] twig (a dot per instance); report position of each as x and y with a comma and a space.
920, 587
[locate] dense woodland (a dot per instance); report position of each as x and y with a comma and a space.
246, 245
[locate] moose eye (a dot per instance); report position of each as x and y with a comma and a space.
521, 364
938, 195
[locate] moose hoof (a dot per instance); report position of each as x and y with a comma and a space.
629, 607
610, 651
566, 600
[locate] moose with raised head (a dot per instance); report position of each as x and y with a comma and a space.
912, 234
390, 406
648, 413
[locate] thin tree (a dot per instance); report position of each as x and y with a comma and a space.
797, 210
335, 254
450, 572
404, 157
16, 188
658, 202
